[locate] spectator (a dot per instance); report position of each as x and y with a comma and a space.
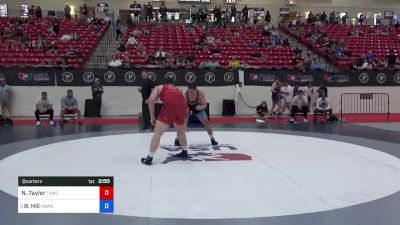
180, 59
299, 104
146, 89
69, 105
85, 12
234, 63
6, 94
276, 98
214, 64
52, 48
122, 47
31, 11
72, 53
127, 63
160, 55
322, 90
149, 12
267, 18
315, 63
190, 60
97, 93
67, 12
322, 106
132, 41
38, 12
391, 59
114, 63
287, 95
44, 106
56, 26
118, 29
262, 112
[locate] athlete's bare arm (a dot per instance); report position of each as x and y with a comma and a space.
154, 96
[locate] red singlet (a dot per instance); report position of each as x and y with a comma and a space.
175, 109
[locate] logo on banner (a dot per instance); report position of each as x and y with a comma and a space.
67, 77
262, 77
171, 75
209, 77
190, 77
109, 76
381, 78
24, 76
396, 78
229, 76
206, 153
364, 78
302, 78
152, 76
130, 77
88, 77
337, 78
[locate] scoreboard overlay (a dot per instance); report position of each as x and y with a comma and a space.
65, 194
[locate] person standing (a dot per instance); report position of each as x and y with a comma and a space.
44, 106
173, 112
118, 31
97, 93
196, 101
6, 93
146, 88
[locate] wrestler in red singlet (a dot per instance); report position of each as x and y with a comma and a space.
175, 107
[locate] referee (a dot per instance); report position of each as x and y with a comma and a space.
147, 87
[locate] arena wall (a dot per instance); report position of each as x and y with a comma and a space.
127, 100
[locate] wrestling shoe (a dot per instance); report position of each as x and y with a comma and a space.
183, 154
147, 160
213, 142
177, 143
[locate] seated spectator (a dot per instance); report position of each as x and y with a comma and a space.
127, 63
66, 37
216, 50
214, 64
391, 59
190, 60
397, 66
380, 64
72, 52
122, 47
363, 64
114, 63
180, 60
262, 112
132, 41
52, 48
245, 65
160, 56
234, 63
69, 105
44, 106
315, 63
141, 50
323, 106
253, 43
299, 104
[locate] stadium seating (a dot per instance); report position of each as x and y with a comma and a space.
176, 38
34, 56
380, 41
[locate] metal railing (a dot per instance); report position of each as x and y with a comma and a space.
365, 104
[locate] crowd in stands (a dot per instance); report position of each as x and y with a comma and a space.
359, 47
48, 42
204, 46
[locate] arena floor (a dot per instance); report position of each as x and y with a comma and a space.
277, 173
